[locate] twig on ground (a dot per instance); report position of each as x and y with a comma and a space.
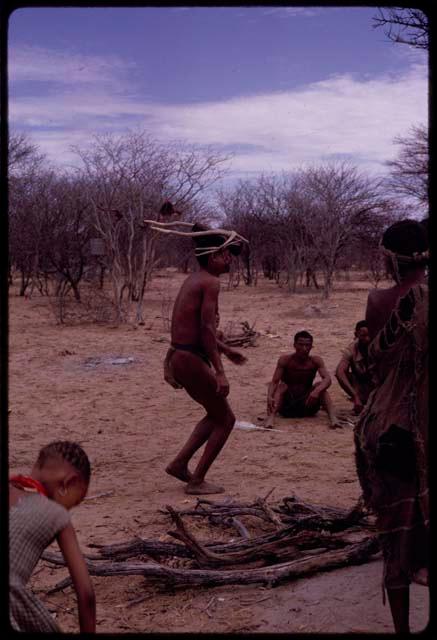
104, 494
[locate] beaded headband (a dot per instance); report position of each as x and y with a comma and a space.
418, 256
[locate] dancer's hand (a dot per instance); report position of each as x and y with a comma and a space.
235, 356
222, 384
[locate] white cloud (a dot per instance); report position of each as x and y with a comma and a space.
63, 67
341, 116
294, 12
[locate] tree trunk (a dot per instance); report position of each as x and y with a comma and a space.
102, 277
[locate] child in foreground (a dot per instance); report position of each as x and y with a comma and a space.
38, 513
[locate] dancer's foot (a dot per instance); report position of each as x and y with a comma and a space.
203, 488
335, 424
179, 471
269, 422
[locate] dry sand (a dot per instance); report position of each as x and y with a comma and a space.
131, 423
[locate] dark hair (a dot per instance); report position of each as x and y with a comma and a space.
360, 324
406, 237
214, 240
70, 452
167, 209
303, 334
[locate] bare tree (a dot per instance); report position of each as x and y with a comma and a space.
27, 207
404, 25
252, 208
340, 201
127, 179
409, 172
21, 151
66, 233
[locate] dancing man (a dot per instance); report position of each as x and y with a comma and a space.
193, 360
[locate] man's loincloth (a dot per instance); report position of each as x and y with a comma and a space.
295, 407
192, 348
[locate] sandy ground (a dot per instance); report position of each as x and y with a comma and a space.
131, 423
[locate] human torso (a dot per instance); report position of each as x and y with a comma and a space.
34, 521
381, 302
299, 375
186, 316
358, 362
400, 371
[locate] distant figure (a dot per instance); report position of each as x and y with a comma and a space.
193, 360
353, 372
391, 435
291, 392
38, 513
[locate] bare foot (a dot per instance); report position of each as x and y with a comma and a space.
270, 422
179, 471
336, 425
203, 488
421, 577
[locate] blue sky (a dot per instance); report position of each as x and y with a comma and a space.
279, 87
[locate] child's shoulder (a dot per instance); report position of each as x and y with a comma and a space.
53, 507
48, 511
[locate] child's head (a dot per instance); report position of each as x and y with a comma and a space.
64, 470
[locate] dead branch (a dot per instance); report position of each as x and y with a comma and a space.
272, 575
245, 339
140, 546
271, 515
239, 526
307, 538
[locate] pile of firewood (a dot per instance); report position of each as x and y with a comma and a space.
247, 338
304, 539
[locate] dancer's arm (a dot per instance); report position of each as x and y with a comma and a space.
208, 332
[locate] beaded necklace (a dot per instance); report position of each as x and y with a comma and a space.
28, 484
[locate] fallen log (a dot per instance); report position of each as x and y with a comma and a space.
303, 515
332, 519
286, 544
271, 576
140, 546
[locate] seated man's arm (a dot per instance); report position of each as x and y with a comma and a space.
342, 377
277, 377
344, 382
325, 382
321, 386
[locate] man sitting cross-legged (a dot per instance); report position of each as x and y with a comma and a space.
193, 361
292, 393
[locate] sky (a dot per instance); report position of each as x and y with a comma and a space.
278, 88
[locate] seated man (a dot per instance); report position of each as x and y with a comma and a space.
352, 371
291, 392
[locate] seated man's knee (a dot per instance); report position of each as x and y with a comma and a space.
324, 396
